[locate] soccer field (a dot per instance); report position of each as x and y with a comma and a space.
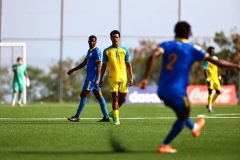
43, 132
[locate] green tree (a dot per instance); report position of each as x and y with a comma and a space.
36, 76
5, 82
139, 61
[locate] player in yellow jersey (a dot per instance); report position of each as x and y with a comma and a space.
213, 78
118, 59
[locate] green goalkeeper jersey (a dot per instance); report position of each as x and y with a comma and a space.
19, 74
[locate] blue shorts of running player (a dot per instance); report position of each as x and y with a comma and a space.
177, 103
90, 86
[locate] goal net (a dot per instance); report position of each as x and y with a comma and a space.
8, 57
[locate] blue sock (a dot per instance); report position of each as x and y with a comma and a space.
81, 106
190, 123
102, 103
177, 128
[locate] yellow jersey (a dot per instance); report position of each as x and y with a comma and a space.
116, 59
212, 69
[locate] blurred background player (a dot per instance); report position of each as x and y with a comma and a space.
93, 62
118, 59
178, 57
20, 72
213, 78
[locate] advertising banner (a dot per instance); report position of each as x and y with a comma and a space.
198, 94
148, 95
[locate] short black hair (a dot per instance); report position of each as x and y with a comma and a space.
115, 32
19, 58
210, 49
92, 36
182, 29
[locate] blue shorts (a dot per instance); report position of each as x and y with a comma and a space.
89, 85
176, 103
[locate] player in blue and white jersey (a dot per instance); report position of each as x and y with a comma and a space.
91, 84
178, 57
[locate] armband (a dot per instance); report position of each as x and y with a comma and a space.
219, 77
207, 79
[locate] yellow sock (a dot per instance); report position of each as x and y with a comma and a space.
210, 98
116, 114
215, 97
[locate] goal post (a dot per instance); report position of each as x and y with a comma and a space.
12, 55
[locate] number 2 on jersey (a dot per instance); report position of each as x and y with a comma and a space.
172, 59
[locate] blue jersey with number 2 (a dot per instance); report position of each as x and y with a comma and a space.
178, 57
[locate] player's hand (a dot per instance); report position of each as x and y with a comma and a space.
100, 83
219, 78
96, 83
130, 82
143, 84
208, 81
27, 82
70, 72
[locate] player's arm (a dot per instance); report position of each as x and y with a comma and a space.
25, 72
205, 70
150, 63
223, 63
104, 66
103, 69
14, 69
206, 74
81, 65
27, 79
129, 70
219, 75
98, 64
207, 77
129, 67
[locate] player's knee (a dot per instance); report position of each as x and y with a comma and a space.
209, 91
97, 94
83, 95
115, 98
123, 99
184, 114
218, 91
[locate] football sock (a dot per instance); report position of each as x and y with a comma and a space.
190, 124
14, 98
81, 106
177, 128
103, 106
196, 126
116, 114
20, 96
215, 97
210, 98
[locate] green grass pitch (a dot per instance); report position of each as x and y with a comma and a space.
42, 132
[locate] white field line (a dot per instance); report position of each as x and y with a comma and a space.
216, 116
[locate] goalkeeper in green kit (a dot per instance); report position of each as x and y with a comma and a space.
20, 72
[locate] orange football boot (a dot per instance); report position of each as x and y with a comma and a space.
166, 149
200, 123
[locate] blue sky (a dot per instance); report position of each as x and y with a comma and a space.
41, 19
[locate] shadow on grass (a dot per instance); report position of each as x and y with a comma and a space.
51, 122
81, 152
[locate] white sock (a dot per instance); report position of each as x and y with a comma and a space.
195, 127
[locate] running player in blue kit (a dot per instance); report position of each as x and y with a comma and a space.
178, 57
93, 62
